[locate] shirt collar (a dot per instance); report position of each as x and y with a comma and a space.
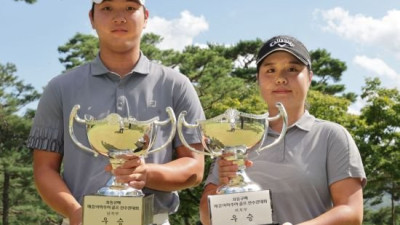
305, 122
142, 66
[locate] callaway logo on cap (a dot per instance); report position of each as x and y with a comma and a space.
284, 43
100, 1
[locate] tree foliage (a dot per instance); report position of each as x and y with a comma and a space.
78, 50
328, 69
328, 107
243, 55
379, 142
380, 216
210, 72
26, 1
20, 201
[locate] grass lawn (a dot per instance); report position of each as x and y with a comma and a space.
108, 136
250, 135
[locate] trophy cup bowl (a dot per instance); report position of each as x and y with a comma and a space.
115, 136
235, 133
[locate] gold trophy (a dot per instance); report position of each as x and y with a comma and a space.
235, 133
112, 137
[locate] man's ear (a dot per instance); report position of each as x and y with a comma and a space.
91, 18
146, 14
146, 17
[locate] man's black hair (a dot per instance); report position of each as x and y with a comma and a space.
92, 10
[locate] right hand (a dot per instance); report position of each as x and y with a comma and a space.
227, 168
132, 172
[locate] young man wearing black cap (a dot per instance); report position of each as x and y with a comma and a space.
316, 175
120, 80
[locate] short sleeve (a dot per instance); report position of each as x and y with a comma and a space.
47, 129
188, 100
343, 159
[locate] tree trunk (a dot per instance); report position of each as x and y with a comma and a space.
6, 187
186, 219
393, 207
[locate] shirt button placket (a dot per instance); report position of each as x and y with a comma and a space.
121, 100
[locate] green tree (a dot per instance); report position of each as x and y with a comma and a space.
78, 50
379, 142
27, 1
210, 72
20, 201
168, 57
243, 55
326, 68
328, 107
381, 216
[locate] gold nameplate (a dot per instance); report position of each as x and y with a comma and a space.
114, 210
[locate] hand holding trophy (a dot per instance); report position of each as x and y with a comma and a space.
234, 134
114, 137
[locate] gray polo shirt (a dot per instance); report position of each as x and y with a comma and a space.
314, 154
143, 94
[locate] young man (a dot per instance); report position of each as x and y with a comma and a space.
120, 80
316, 174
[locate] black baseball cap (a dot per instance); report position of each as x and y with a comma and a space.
284, 43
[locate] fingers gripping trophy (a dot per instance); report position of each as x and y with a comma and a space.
115, 137
234, 134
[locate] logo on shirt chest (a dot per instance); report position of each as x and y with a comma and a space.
152, 103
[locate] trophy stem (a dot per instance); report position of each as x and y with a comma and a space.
241, 183
113, 187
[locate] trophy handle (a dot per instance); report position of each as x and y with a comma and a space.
75, 116
282, 114
171, 119
182, 122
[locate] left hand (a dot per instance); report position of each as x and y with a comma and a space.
133, 171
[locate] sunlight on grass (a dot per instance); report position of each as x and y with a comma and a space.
249, 135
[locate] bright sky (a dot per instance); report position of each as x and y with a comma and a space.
363, 33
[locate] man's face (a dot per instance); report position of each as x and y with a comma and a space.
119, 23
283, 78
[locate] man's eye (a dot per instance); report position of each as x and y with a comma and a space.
106, 8
270, 70
131, 8
293, 69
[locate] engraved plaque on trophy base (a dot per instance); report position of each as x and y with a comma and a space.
115, 210
249, 208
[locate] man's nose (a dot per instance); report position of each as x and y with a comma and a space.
119, 18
